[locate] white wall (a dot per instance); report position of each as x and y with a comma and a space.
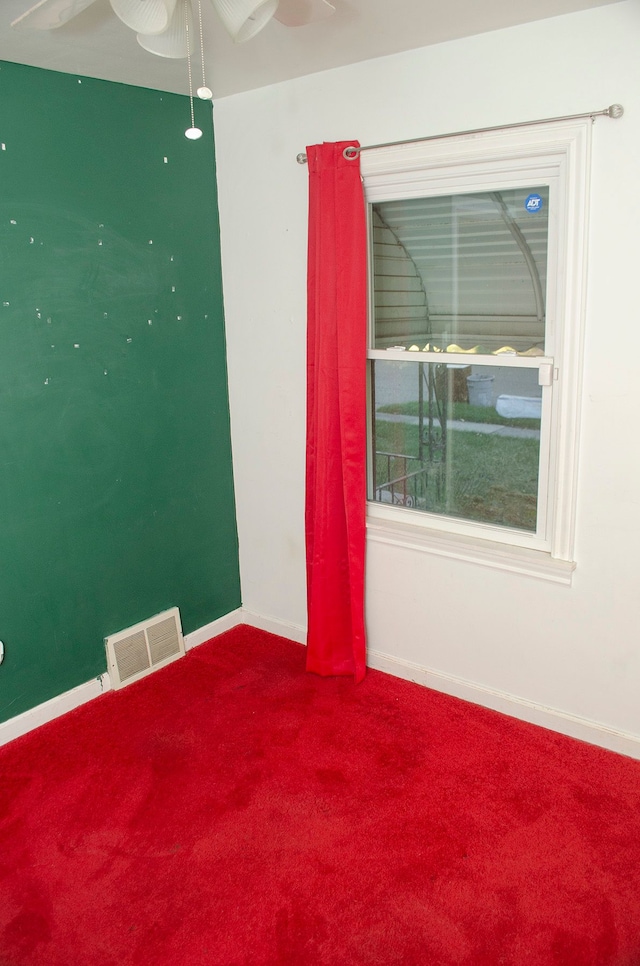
573, 649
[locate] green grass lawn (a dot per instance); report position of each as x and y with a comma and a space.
490, 479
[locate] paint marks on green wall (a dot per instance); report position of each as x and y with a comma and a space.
116, 487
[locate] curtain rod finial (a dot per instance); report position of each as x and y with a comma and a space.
615, 110
301, 158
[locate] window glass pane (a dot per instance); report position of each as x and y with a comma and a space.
463, 441
468, 270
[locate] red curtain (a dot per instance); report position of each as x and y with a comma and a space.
336, 413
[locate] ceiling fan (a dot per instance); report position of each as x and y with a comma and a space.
163, 27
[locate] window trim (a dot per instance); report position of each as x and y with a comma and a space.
476, 163
499, 556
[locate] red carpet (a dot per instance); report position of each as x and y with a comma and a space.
231, 810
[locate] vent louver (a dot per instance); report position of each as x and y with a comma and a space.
139, 650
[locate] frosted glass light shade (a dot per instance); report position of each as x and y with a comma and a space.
244, 18
172, 42
145, 16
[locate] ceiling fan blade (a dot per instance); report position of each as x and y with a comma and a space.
298, 13
49, 14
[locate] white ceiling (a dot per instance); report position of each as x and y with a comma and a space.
97, 44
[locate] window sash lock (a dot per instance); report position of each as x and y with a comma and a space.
545, 374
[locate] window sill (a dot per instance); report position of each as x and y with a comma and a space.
518, 560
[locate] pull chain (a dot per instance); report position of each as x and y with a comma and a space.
204, 92
193, 132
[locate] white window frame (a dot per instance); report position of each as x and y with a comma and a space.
557, 154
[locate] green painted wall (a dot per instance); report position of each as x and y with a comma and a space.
116, 489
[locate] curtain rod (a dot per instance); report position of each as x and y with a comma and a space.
614, 111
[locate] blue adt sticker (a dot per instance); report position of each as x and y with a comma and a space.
533, 203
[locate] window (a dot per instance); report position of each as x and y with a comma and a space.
477, 258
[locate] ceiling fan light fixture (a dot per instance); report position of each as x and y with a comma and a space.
177, 40
146, 17
244, 18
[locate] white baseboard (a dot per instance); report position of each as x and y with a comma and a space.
219, 626
624, 743
294, 632
42, 713
62, 703
594, 733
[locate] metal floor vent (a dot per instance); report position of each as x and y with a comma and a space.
141, 649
